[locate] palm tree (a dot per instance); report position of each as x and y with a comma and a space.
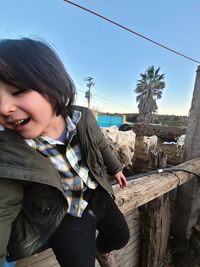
149, 89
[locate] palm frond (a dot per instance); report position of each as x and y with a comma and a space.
149, 88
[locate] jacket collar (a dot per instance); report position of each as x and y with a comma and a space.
19, 161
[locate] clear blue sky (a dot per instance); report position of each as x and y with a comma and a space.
90, 46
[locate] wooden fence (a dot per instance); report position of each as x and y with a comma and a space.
150, 189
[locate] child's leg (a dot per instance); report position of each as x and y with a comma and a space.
74, 241
113, 229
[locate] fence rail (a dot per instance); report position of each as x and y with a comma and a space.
150, 186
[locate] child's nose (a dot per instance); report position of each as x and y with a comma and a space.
6, 108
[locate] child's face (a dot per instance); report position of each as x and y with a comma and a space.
28, 113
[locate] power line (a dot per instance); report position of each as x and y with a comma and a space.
136, 33
112, 101
109, 100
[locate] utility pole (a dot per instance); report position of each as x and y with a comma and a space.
88, 93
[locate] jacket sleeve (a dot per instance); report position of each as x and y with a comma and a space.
110, 160
11, 195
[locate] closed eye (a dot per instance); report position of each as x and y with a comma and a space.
18, 92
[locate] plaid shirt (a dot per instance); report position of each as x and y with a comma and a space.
67, 158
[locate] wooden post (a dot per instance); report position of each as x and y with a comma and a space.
155, 231
155, 220
188, 195
192, 139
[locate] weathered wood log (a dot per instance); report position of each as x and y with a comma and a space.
150, 186
188, 197
155, 231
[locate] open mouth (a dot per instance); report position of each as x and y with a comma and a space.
21, 122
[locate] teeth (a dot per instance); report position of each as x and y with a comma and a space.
19, 122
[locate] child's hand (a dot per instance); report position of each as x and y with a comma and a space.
121, 179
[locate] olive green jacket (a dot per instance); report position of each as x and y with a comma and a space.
32, 202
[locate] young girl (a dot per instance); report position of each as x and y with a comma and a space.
55, 164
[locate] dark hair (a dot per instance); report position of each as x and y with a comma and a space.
33, 64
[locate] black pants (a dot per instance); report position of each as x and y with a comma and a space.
74, 242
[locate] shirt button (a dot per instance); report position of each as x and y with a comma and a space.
76, 206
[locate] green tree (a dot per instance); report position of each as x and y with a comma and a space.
148, 89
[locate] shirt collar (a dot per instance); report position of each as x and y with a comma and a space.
71, 123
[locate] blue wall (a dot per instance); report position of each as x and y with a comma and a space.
109, 120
